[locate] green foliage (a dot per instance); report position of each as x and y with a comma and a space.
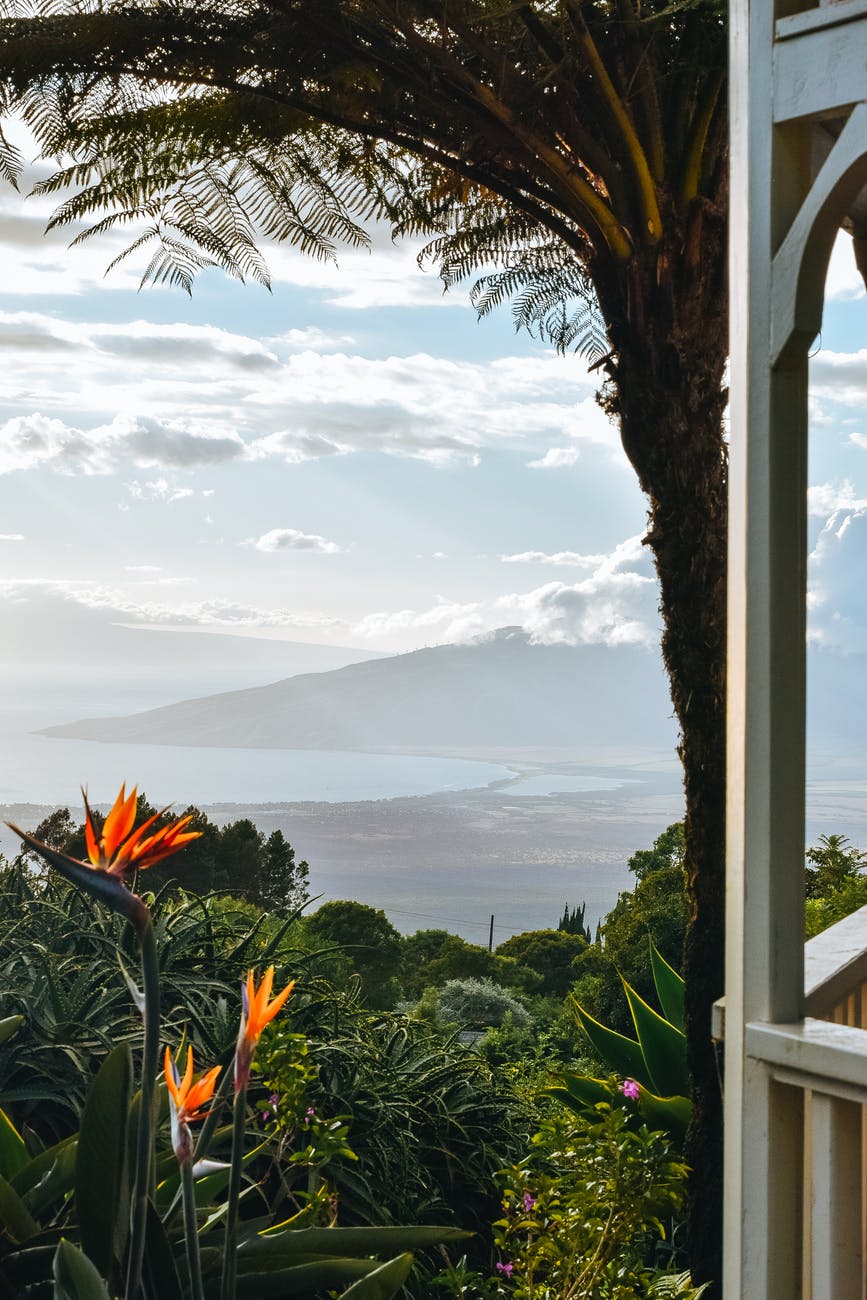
587, 1212
668, 850
835, 882
833, 864
655, 1060
573, 922
822, 912
552, 954
368, 941
432, 957
431, 1122
101, 1168
476, 1004
655, 909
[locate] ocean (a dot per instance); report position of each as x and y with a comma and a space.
45, 770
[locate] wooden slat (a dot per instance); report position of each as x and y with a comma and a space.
821, 72
835, 1201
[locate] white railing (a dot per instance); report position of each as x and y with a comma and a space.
819, 1066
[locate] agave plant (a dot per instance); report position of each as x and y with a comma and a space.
652, 1067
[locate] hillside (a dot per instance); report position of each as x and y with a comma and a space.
499, 691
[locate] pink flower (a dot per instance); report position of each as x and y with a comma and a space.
506, 1269
529, 1202
630, 1089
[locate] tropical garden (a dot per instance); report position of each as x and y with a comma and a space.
225, 1092
559, 1098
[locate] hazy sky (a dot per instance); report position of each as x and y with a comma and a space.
350, 459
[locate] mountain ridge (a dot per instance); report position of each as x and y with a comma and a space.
498, 690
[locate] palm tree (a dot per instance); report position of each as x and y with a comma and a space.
580, 144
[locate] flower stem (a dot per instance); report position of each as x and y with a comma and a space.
144, 1142
191, 1231
230, 1249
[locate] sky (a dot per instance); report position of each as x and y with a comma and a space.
350, 459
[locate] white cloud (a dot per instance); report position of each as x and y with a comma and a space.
840, 377
142, 568
565, 558
844, 281
837, 608
616, 604
313, 339
121, 607
40, 441
826, 500
200, 395
158, 490
11, 537
290, 539
556, 458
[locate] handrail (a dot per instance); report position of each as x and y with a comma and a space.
835, 963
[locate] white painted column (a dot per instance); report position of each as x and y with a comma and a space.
766, 690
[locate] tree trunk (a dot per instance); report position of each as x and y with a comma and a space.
668, 396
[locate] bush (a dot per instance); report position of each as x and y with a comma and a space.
586, 1212
477, 1004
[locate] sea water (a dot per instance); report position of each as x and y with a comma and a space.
48, 770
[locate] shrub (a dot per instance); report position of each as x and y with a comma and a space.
477, 1004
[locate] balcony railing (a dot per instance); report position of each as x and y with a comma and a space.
819, 1066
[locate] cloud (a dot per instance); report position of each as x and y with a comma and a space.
314, 339
566, 558
40, 441
828, 500
556, 458
158, 490
182, 346
199, 395
836, 600
290, 539
840, 376
616, 604
71, 595
844, 281
142, 568
11, 537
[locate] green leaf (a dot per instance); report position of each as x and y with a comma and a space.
622, 1055
48, 1177
13, 1152
281, 1247
581, 1093
303, 1280
160, 1277
101, 1184
382, 1284
16, 1221
663, 1047
9, 1026
670, 1114
669, 987
75, 1277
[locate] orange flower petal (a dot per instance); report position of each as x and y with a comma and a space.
119, 821
260, 1010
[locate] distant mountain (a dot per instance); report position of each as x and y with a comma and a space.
499, 691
